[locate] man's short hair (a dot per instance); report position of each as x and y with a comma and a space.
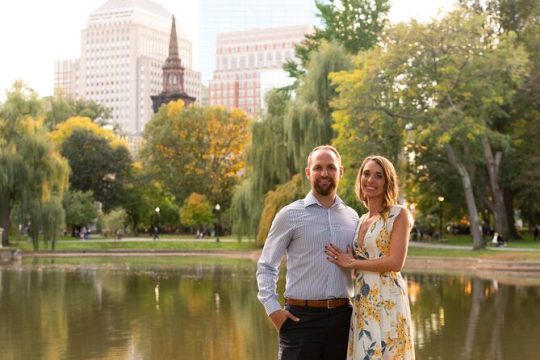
324, 147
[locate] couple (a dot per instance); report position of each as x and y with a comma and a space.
324, 241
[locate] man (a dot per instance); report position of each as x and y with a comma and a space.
315, 321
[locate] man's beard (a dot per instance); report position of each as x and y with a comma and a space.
324, 190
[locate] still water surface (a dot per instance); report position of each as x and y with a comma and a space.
206, 308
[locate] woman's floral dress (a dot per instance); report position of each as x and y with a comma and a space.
381, 319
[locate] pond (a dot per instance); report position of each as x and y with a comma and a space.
206, 308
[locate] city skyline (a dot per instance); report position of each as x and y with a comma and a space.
33, 42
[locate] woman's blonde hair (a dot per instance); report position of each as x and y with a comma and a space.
390, 185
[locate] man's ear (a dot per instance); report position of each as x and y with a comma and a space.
341, 171
307, 172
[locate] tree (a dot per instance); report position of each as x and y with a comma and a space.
355, 24
97, 166
446, 82
60, 109
196, 212
268, 164
286, 134
32, 172
275, 200
196, 149
293, 125
114, 221
522, 18
99, 159
308, 120
80, 208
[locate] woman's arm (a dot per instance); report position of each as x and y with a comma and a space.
399, 240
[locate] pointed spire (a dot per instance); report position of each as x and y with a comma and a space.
173, 42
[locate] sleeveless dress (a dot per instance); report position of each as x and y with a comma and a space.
381, 326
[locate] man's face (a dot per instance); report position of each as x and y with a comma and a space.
324, 172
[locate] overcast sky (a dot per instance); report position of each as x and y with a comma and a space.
35, 33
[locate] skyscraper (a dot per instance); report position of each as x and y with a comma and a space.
243, 56
219, 16
123, 49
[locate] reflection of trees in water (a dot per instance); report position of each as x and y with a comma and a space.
471, 318
477, 295
205, 312
501, 300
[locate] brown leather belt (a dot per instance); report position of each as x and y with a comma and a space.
327, 304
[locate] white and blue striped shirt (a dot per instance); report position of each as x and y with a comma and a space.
301, 230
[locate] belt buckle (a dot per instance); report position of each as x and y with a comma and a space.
328, 306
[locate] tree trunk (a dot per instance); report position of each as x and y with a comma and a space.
493, 166
478, 243
4, 221
509, 202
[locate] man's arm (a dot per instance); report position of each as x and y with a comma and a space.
275, 247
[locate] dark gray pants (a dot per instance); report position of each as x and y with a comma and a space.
321, 334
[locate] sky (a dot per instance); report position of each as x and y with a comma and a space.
36, 33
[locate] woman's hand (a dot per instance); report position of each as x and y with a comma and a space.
336, 256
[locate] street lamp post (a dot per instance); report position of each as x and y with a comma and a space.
218, 207
440, 199
156, 226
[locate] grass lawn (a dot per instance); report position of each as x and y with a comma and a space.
188, 243
142, 244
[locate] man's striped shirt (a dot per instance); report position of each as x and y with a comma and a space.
301, 230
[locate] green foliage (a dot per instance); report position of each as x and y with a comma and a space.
97, 166
355, 24
80, 208
194, 149
286, 134
440, 87
275, 200
268, 164
113, 221
32, 173
60, 108
196, 211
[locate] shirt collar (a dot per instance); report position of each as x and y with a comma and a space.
310, 199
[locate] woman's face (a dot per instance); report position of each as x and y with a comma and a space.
372, 180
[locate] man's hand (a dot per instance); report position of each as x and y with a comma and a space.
278, 318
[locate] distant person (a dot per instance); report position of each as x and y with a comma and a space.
414, 233
155, 232
315, 321
536, 232
497, 240
381, 326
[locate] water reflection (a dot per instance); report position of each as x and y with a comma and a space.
196, 308
462, 317
178, 311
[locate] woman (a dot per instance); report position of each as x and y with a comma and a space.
381, 319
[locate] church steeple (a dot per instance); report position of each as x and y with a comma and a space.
173, 76
173, 71
173, 43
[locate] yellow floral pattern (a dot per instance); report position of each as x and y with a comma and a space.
381, 326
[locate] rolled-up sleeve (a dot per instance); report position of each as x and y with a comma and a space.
275, 247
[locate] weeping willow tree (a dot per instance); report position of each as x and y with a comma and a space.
308, 121
32, 173
283, 138
268, 164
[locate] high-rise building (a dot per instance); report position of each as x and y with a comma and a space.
123, 49
219, 16
243, 56
66, 77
